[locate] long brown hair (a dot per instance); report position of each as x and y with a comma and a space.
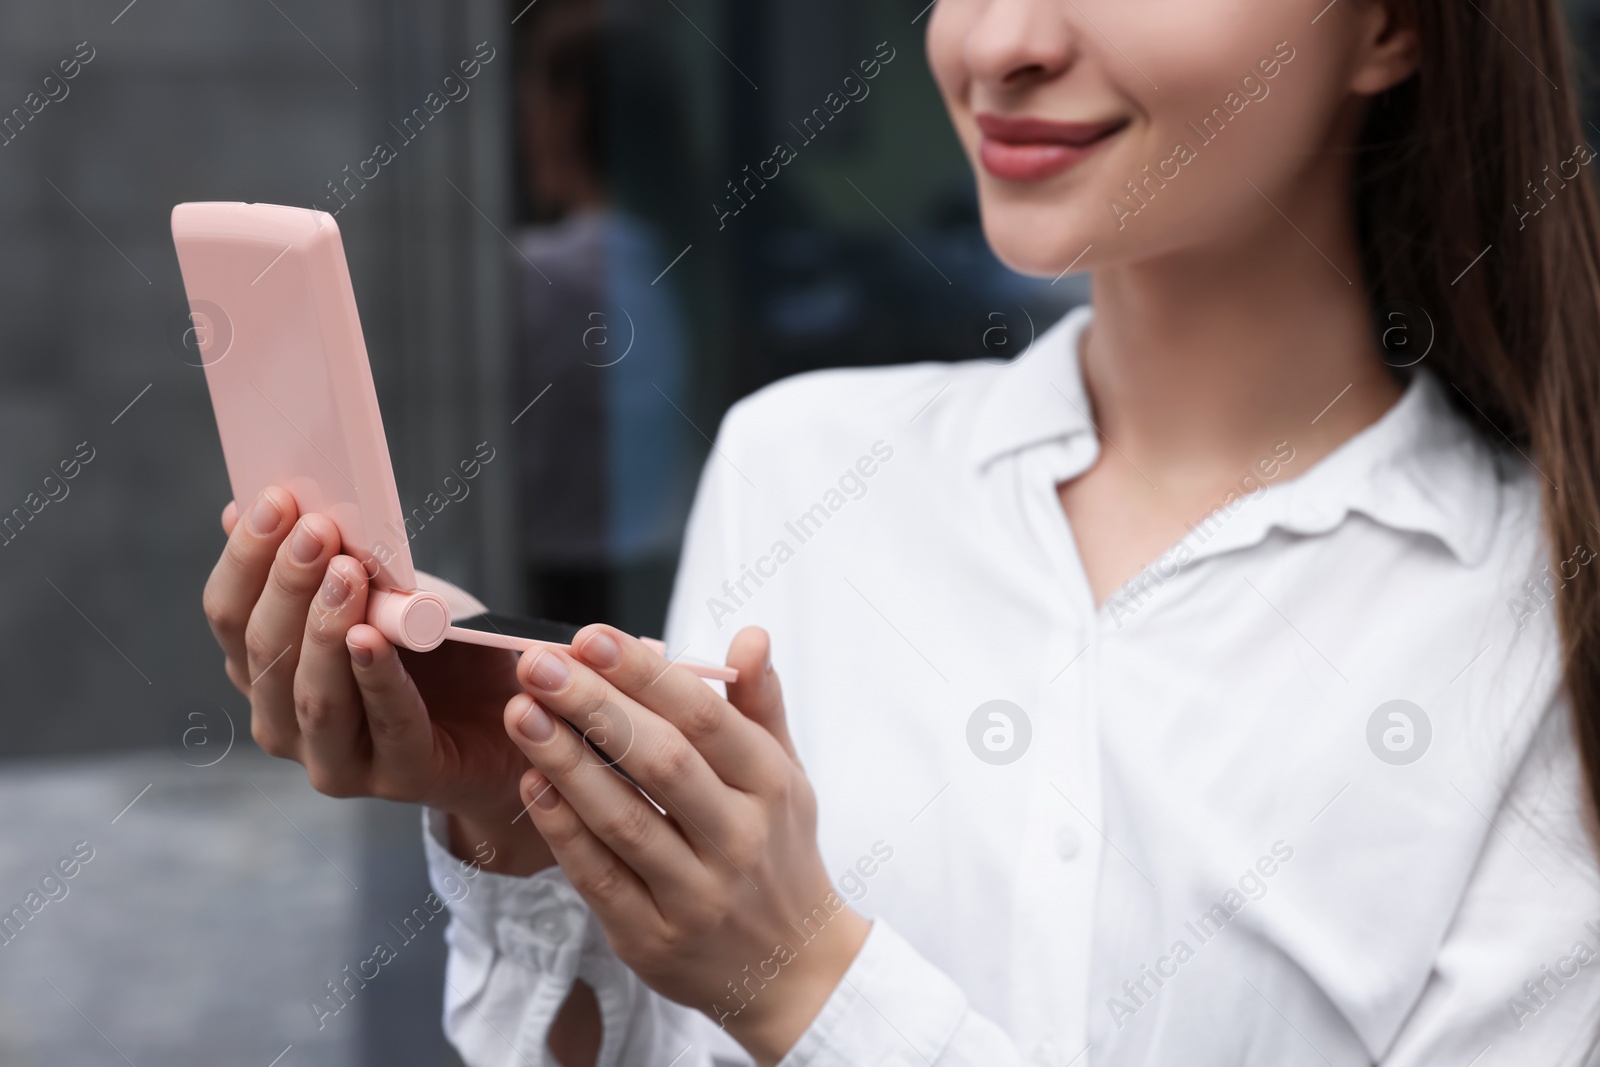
1475, 152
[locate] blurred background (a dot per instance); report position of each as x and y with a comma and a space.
579, 256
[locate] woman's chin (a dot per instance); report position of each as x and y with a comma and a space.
1026, 246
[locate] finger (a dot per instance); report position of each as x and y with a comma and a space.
654, 752
613, 891
278, 624
241, 571
757, 694
230, 515
730, 745
609, 806
397, 716
710, 814
327, 702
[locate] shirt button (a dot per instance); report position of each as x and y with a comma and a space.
1068, 841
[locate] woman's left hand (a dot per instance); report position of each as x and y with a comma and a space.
722, 903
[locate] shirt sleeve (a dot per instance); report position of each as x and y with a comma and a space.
1517, 979
895, 1009
516, 945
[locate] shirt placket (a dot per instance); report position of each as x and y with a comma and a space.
1061, 846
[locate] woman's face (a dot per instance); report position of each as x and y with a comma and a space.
1135, 127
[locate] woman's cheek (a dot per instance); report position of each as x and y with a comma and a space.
948, 25
1220, 149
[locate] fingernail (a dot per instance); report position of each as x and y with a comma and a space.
359, 654
549, 672
601, 651
547, 797
536, 724
265, 516
335, 590
306, 545
767, 668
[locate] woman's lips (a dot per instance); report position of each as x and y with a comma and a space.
1032, 149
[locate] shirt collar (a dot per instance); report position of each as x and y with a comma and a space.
1037, 397
1419, 468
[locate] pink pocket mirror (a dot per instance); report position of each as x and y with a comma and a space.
273, 316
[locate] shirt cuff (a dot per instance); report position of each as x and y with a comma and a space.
892, 1007
538, 921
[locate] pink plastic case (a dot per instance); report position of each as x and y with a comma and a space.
273, 315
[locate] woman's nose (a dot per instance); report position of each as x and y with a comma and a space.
1018, 42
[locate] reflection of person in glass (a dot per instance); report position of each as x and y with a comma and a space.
603, 452
1100, 811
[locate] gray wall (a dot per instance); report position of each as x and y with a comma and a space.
204, 899
99, 593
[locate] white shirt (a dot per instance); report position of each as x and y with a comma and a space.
1198, 856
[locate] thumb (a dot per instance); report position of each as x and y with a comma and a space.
757, 694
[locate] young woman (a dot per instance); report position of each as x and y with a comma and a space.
1201, 688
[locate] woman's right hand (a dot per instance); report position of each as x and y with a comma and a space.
424, 728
